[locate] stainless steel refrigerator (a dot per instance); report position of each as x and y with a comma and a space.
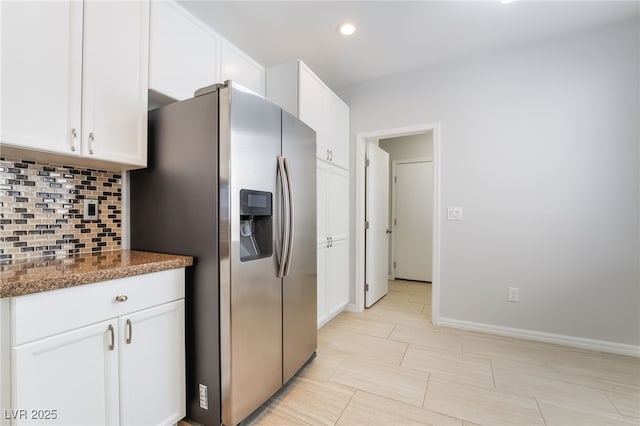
232, 181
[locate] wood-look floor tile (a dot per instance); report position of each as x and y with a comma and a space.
324, 365
370, 327
480, 405
311, 402
427, 338
628, 404
555, 390
449, 366
371, 410
383, 379
559, 415
412, 319
395, 305
366, 346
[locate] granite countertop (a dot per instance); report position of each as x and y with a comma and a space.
26, 277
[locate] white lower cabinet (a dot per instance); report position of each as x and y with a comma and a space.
333, 279
150, 341
128, 368
67, 379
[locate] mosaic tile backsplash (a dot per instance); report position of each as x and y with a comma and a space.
42, 210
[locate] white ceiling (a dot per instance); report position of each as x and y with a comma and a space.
394, 36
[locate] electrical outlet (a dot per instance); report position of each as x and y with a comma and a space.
513, 294
454, 213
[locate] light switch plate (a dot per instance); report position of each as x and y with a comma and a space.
454, 213
90, 209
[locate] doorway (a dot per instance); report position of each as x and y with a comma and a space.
360, 252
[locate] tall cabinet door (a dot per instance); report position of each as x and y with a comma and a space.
337, 214
74, 373
150, 340
115, 83
41, 75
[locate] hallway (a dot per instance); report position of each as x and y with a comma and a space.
389, 366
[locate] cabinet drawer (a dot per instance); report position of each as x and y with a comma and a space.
44, 314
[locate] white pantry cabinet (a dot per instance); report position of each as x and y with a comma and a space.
333, 240
104, 353
184, 54
333, 275
74, 79
299, 91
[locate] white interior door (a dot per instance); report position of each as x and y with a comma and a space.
413, 234
377, 216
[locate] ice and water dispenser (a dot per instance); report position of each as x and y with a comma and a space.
256, 225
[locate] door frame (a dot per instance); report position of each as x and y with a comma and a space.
393, 205
359, 230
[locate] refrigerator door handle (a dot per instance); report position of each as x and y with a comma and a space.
291, 217
286, 212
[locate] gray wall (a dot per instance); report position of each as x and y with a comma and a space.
540, 146
404, 148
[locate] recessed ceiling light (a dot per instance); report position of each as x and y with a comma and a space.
347, 29
506, 1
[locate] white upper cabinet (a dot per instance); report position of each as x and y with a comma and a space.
74, 80
184, 54
298, 90
41, 75
116, 54
237, 66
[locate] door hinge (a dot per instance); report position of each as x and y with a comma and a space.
366, 224
366, 162
395, 221
394, 265
395, 179
366, 287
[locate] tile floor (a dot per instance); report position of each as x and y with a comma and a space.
390, 366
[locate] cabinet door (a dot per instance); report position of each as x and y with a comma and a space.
323, 313
41, 75
183, 56
313, 98
238, 67
338, 128
337, 278
152, 366
116, 54
337, 204
74, 373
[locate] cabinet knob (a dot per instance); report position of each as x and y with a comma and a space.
121, 298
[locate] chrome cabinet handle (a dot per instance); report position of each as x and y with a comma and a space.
113, 338
92, 141
129, 332
327, 242
121, 298
330, 241
328, 155
74, 135
331, 155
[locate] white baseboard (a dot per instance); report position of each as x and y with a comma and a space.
559, 339
351, 307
